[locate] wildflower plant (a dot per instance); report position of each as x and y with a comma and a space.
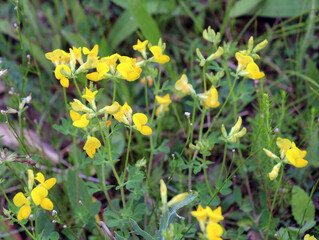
187, 130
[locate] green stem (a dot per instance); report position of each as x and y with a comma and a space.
220, 110
226, 17
21, 127
190, 164
177, 117
274, 201
204, 76
146, 89
114, 91
151, 156
157, 88
77, 87
223, 165
36, 221
127, 153
206, 178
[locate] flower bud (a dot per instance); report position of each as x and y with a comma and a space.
163, 190
30, 179
251, 43
260, 46
216, 54
178, 198
274, 172
270, 154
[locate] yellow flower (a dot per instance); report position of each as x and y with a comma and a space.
183, 85
128, 69
209, 99
214, 231
274, 172
200, 213
124, 114
216, 215
101, 70
39, 197
158, 56
74, 115
91, 145
89, 96
163, 102
91, 53
47, 184
201, 216
82, 122
243, 60
63, 78
295, 156
140, 46
284, 144
21, 201
79, 107
58, 57
58, 74
308, 237
253, 71
114, 108
78, 54
140, 121
111, 61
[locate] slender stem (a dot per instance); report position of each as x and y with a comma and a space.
157, 88
36, 221
77, 87
151, 156
204, 76
223, 164
146, 89
220, 110
190, 164
177, 117
206, 178
114, 91
20, 126
274, 201
127, 153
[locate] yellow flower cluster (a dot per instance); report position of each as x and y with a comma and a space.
208, 220
246, 65
289, 153
38, 195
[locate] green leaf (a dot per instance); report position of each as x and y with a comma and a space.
237, 195
243, 7
121, 30
73, 39
118, 237
139, 231
299, 202
144, 20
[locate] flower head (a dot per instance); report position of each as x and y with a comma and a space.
64, 81
89, 96
80, 121
295, 156
243, 60
216, 215
274, 172
140, 121
58, 57
183, 85
91, 145
128, 69
163, 102
124, 114
21, 201
308, 237
78, 54
141, 47
253, 71
47, 184
39, 197
234, 133
158, 56
209, 99
101, 71
284, 144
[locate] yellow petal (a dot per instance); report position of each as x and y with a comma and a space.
214, 230
19, 199
58, 74
46, 204
74, 115
139, 119
156, 51
65, 82
94, 76
146, 130
38, 194
24, 212
82, 122
49, 183
40, 178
